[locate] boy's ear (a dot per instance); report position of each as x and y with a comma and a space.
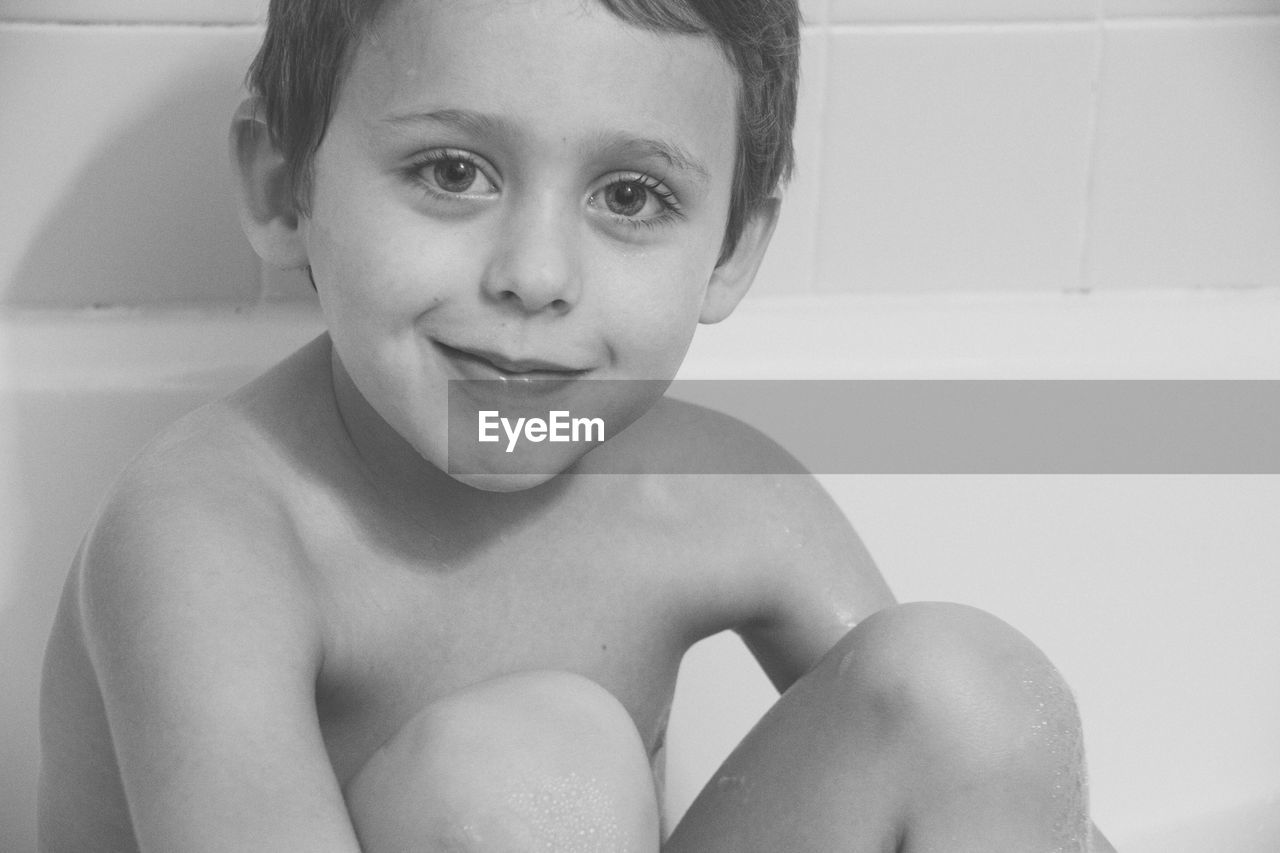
268, 213
734, 274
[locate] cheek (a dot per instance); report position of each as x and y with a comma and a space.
384, 272
662, 298
651, 335
374, 257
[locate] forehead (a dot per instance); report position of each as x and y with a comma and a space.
559, 66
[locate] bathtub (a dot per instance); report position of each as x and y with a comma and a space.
1158, 596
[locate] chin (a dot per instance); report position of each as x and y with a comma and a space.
492, 469
504, 482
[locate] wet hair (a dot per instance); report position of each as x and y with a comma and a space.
304, 56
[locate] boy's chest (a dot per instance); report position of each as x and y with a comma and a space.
397, 639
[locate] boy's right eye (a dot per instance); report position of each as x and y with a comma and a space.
453, 173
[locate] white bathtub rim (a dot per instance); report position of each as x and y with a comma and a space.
1200, 334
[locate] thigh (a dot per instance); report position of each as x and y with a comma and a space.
927, 728
525, 762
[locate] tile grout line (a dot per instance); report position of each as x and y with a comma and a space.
1099, 17
961, 26
1192, 20
832, 26
90, 24
1092, 149
814, 241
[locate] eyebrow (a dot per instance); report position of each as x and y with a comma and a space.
616, 143
670, 153
466, 120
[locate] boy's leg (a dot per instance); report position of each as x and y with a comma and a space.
534, 761
928, 728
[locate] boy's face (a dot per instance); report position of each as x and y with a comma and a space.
515, 190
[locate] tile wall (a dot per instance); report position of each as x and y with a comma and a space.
944, 145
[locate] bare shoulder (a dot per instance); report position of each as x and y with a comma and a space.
187, 642
185, 594
782, 564
737, 476
195, 544
209, 498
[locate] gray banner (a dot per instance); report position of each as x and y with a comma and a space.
937, 427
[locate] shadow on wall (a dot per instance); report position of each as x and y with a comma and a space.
152, 217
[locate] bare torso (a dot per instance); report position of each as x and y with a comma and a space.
606, 578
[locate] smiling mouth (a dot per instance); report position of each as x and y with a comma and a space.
484, 364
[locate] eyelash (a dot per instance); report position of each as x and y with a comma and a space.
672, 209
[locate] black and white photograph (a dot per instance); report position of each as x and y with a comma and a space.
640, 426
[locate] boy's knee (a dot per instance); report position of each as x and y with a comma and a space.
512, 706
520, 762
960, 685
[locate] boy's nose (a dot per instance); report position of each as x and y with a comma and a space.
535, 265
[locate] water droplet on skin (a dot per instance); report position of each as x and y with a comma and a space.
1057, 728
570, 814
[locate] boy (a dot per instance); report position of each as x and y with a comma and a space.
292, 628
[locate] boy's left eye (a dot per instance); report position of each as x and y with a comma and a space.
626, 198
635, 197
454, 173
455, 176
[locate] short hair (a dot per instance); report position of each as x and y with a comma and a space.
307, 46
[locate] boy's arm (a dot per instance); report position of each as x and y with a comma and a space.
206, 654
816, 584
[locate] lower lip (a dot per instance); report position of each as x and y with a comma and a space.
532, 383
